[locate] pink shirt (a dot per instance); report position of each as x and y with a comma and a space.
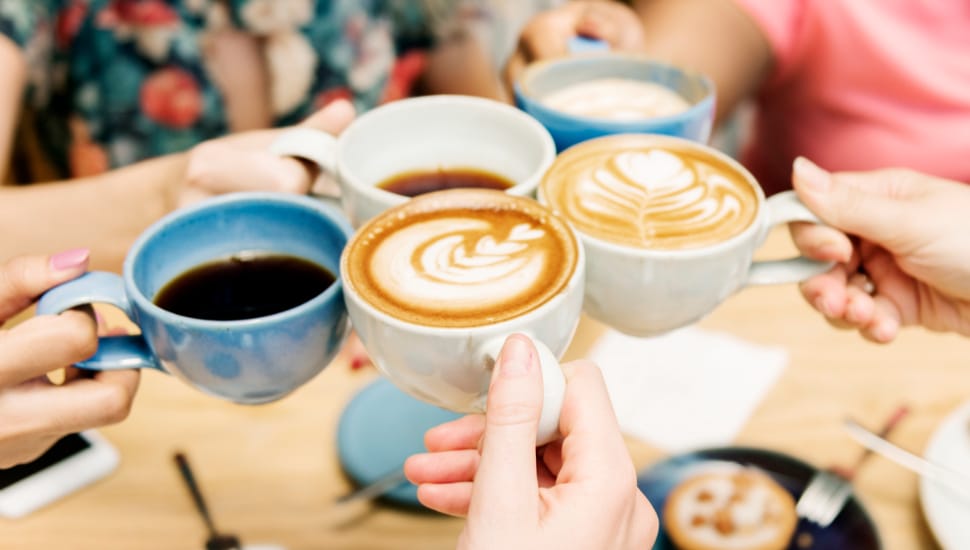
863, 84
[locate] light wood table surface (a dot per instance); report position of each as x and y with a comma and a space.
271, 472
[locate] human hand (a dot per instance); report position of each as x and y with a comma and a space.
243, 162
908, 263
547, 34
36, 412
578, 492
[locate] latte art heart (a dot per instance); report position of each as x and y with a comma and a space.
461, 265
634, 192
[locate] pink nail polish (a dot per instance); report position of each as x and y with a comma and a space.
359, 362
70, 259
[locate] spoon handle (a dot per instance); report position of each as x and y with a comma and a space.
376, 488
183, 466
951, 479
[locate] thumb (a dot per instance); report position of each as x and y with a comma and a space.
333, 118
871, 205
507, 470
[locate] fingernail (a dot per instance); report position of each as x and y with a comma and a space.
516, 356
886, 330
70, 259
813, 177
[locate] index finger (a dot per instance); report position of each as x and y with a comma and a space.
592, 442
24, 278
821, 242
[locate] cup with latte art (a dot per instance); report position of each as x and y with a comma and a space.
669, 227
586, 96
434, 287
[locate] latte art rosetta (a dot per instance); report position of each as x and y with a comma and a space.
487, 258
460, 263
650, 197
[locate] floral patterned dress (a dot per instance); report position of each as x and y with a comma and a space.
117, 81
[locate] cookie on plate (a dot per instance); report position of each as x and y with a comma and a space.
730, 507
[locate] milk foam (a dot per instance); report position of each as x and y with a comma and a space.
617, 99
461, 267
458, 264
650, 197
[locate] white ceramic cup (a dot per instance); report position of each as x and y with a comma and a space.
422, 133
645, 292
451, 367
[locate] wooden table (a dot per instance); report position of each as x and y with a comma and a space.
271, 473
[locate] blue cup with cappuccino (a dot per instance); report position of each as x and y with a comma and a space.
597, 93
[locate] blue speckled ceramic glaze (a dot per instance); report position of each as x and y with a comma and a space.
247, 361
543, 78
379, 429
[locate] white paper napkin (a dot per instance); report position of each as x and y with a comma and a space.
687, 389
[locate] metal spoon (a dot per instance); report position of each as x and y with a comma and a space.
376, 488
215, 540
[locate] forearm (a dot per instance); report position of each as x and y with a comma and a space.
14, 79
461, 65
104, 213
714, 37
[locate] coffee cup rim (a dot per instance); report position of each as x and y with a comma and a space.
681, 253
135, 294
576, 278
536, 103
520, 188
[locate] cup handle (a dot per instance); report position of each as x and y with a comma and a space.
586, 44
553, 387
785, 208
316, 146
114, 352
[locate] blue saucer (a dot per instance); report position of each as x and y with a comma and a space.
380, 428
851, 530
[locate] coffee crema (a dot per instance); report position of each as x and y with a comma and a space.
618, 99
461, 258
650, 192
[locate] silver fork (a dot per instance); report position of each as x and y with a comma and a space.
823, 497
829, 489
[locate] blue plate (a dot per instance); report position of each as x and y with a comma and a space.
380, 428
851, 530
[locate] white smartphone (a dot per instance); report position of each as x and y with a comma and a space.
76, 460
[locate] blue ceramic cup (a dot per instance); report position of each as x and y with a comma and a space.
246, 361
545, 77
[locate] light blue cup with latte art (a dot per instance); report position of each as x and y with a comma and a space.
544, 79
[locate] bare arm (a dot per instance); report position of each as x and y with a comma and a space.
104, 213
11, 93
107, 212
714, 37
460, 65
